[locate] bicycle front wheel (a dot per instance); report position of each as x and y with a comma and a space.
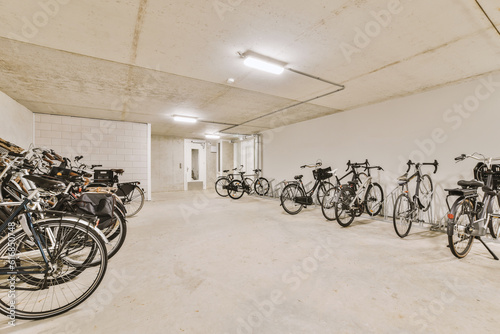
322, 189
235, 189
494, 223
261, 186
42, 292
402, 217
288, 198
221, 186
460, 241
374, 199
344, 213
329, 203
425, 192
133, 200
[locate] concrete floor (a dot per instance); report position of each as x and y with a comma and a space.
194, 262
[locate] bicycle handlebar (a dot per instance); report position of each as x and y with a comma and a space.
474, 156
357, 164
317, 164
418, 164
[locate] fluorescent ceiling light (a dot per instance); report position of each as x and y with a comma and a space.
185, 119
263, 65
212, 136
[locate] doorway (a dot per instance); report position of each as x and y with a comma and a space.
195, 162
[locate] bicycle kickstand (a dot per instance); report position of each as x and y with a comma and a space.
489, 250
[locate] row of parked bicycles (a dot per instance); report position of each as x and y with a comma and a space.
471, 216
58, 229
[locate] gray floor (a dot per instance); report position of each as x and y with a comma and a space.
197, 263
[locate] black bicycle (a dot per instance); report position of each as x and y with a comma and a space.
50, 265
130, 193
471, 217
237, 188
223, 181
295, 196
406, 208
359, 195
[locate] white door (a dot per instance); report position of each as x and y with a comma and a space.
195, 164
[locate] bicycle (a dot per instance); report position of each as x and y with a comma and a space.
295, 196
223, 181
131, 195
48, 266
330, 199
237, 188
358, 195
406, 208
470, 217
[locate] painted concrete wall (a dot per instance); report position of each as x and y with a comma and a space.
16, 123
439, 124
110, 143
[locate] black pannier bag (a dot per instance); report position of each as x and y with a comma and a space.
98, 204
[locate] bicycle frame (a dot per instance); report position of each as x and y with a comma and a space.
361, 191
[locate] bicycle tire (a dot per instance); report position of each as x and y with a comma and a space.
402, 216
374, 199
247, 187
329, 202
494, 223
31, 308
287, 198
235, 189
460, 240
261, 186
322, 189
425, 192
116, 234
221, 186
134, 201
344, 213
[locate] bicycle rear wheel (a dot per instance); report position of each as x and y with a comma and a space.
288, 196
221, 186
115, 233
425, 192
344, 213
261, 186
460, 240
44, 292
235, 189
374, 199
402, 217
329, 203
133, 199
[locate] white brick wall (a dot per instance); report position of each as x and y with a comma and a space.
112, 144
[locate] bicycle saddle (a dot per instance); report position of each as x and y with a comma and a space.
226, 171
403, 178
470, 184
118, 171
298, 177
257, 170
46, 182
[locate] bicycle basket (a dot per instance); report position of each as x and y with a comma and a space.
322, 173
103, 175
479, 173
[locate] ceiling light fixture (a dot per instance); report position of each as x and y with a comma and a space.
209, 136
262, 63
185, 119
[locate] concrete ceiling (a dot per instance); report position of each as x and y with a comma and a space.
146, 60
